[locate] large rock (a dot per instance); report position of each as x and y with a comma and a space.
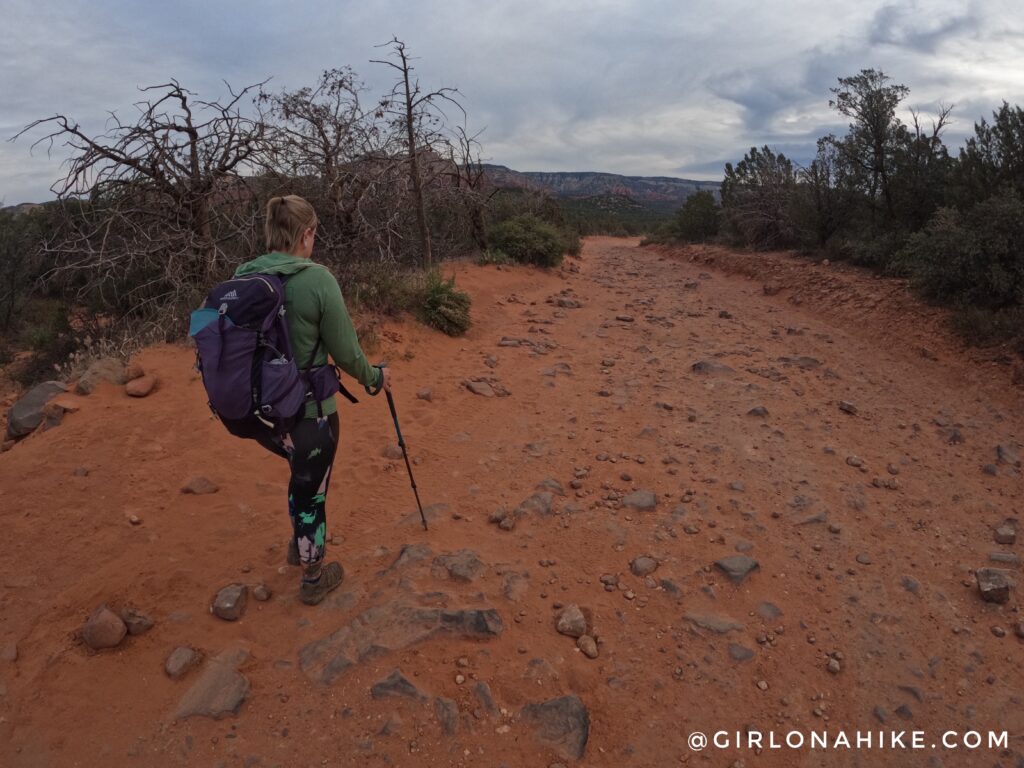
229, 604
713, 622
108, 369
410, 555
994, 584
141, 387
447, 712
104, 629
539, 503
481, 388
463, 565
641, 501
561, 723
137, 622
27, 413
220, 689
181, 660
396, 685
514, 586
737, 567
572, 622
391, 627
643, 566
710, 368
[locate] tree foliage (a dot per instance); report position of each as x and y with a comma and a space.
167, 201
756, 198
889, 194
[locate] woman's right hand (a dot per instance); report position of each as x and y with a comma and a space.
385, 373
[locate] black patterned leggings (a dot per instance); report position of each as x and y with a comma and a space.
310, 448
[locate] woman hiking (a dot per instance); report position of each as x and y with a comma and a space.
318, 325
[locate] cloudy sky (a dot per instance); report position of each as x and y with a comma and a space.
644, 87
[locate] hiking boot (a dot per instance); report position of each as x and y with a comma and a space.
331, 576
293, 553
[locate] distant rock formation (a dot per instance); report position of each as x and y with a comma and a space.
643, 189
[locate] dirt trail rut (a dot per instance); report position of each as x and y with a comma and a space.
640, 419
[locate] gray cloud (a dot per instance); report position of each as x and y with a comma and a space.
661, 87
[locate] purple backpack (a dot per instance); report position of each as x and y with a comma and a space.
245, 357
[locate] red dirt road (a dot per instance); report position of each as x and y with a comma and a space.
877, 578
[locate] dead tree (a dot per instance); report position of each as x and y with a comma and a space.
344, 158
418, 113
468, 176
152, 205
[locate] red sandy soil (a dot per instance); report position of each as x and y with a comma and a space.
779, 484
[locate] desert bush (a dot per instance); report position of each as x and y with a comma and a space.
970, 260
869, 248
696, 222
380, 288
492, 256
442, 306
983, 327
529, 240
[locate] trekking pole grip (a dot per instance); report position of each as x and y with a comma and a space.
374, 391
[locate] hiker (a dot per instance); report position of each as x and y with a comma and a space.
318, 325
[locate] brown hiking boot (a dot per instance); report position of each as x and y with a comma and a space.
293, 553
331, 576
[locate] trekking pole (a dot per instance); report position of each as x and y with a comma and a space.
401, 443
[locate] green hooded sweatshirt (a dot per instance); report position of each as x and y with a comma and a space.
315, 310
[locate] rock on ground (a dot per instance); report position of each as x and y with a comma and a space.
481, 388
643, 566
141, 387
737, 567
994, 584
716, 623
199, 486
136, 621
710, 368
641, 501
229, 604
27, 412
561, 723
396, 685
220, 689
588, 646
181, 660
571, 621
104, 629
108, 369
133, 370
539, 503
515, 585
447, 712
391, 627
463, 565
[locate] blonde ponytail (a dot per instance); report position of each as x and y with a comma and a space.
287, 219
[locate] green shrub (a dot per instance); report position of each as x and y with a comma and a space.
982, 327
529, 240
444, 307
876, 251
698, 220
379, 287
970, 260
574, 243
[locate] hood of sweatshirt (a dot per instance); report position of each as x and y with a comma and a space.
275, 263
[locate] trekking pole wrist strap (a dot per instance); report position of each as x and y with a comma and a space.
374, 391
